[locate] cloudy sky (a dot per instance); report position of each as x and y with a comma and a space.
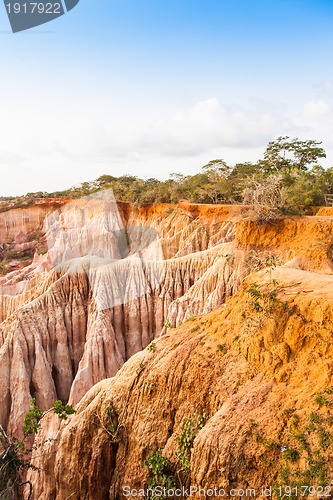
151, 87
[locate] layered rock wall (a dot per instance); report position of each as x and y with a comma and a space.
26, 220
66, 327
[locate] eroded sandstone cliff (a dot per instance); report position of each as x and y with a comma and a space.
255, 387
72, 316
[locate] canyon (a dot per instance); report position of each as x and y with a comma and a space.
147, 309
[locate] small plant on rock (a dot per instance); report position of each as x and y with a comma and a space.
151, 347
111, 413
162, 477
189, 432
63, 411
264, 303
321, 400
221, 348
191, 318
195, 329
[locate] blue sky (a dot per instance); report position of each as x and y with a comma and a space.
155, 87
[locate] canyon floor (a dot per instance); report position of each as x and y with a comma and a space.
192, 330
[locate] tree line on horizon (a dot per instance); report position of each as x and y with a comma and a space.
288, 174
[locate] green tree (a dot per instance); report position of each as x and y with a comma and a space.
15, 457
286, 154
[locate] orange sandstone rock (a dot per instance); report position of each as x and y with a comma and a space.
255, 377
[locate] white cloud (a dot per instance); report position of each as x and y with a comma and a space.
48, 152
207, 125
316, 110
